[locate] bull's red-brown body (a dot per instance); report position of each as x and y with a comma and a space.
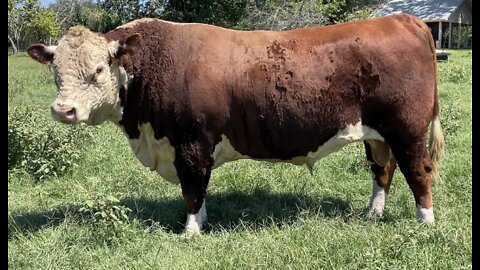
283, 95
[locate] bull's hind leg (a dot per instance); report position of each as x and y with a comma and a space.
417, 166
382, 166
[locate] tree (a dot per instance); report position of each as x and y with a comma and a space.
121, 11
153, 8
16, 23
19, 16
43, 26
64, 11
283, 15
27, 22
218, 12
94, 17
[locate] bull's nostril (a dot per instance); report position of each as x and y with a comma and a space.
71, 112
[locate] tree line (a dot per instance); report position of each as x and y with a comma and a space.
29, 22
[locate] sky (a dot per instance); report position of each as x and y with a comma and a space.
45, 3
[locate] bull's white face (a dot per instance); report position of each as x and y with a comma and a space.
87, 76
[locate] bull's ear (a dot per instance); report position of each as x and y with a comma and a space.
41, 53
128, 45
133, 42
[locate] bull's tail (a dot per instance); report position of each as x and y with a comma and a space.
436, 142
436, 145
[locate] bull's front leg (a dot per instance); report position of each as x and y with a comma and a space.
194, 161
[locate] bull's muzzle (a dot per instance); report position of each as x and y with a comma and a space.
63, 113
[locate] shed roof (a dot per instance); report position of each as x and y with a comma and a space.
456, 11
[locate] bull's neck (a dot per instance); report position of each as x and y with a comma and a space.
150, 96
141, 104
151, 76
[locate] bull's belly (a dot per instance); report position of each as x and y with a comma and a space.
225, 152
159, 155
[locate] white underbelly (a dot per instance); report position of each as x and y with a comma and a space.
159, 155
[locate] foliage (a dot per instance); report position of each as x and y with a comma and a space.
243, 14
454, 73
451, 118
28, 22
16, 85
462, 34
79, 12
334, 10
94, 17
338, 11
218, 12
16, 24
98, 16
105, 212
276, 15
359, 13
121, 11
40, 147
11, 4
283, 15
43, 25
64, 11
357, 160
152, 8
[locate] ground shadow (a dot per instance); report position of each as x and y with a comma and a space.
34, 221
226, 211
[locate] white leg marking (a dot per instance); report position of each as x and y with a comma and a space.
377, 201
425, 215
196, 221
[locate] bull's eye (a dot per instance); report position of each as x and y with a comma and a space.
98, 71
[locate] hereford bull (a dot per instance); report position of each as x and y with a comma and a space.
191, 97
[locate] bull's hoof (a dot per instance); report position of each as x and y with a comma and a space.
375, 212
192, 230
425, 216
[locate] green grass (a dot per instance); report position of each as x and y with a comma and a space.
261, 215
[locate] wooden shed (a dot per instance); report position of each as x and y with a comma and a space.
442, 16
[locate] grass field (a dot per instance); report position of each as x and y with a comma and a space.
261, 215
